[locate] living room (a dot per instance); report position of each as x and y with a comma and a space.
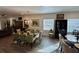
35, 29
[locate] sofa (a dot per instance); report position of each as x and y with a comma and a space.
5, 32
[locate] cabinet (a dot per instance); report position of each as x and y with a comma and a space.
18, 24
60, 27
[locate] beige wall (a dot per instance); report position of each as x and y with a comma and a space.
3, 21
74, 15
40, 17
68, 15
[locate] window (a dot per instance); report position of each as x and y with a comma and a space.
73, 24
48, 24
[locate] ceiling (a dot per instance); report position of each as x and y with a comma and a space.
24, 10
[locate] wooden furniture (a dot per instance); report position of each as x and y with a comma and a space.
60, 27
60, 16
18, 24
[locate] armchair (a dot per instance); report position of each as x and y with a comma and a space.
51, 33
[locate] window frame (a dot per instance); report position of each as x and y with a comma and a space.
73, 26
53, 21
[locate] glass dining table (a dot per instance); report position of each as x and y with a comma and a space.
74, 40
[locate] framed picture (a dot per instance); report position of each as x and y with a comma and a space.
60, 16
35, 22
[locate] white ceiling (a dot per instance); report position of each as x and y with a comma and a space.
21, 10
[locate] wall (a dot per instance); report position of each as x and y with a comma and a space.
74, 15
40, 17
3, 21
68, 15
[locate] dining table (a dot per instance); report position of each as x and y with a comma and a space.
74, 40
